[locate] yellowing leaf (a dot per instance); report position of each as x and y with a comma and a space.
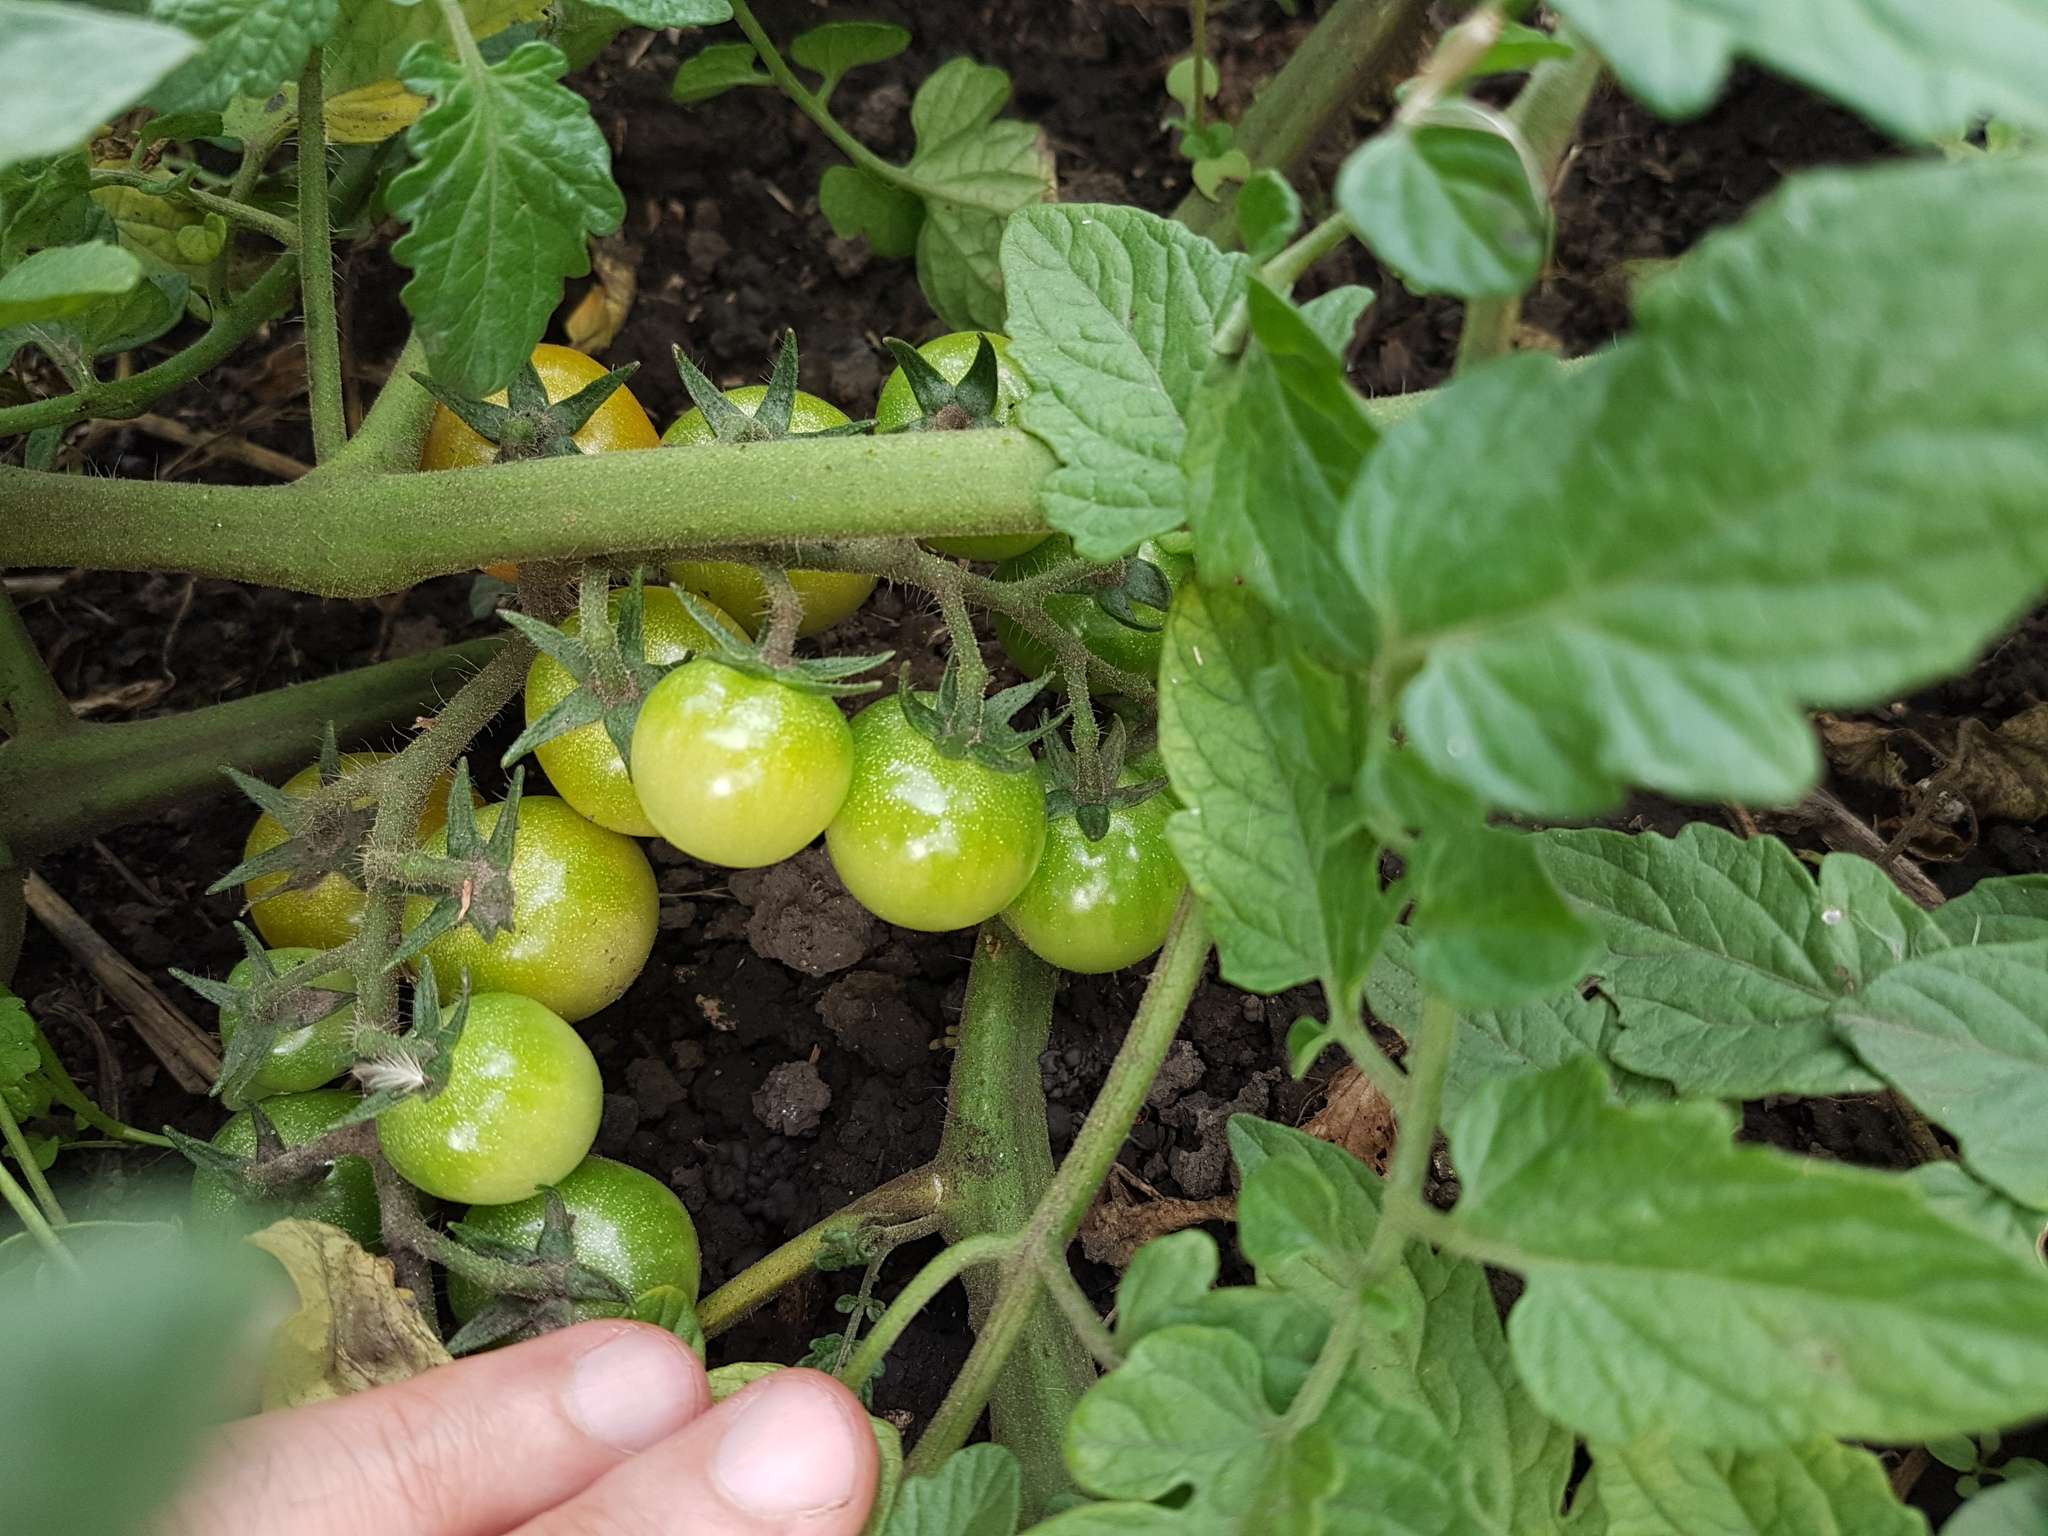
354, 1327
372, 113
595, 322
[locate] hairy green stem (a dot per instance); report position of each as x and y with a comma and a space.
55, 791
31, 703
316, 271
122, 398
72, 1097
916, 1296
909, 1197
1079, 1312
1547, 110
1347, 54
1174, 978
10, 1132
393, 431
998, 1167
31, 1218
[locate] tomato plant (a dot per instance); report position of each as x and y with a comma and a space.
1404, 660
628, 1226
583, 914
520, 1108
926, 841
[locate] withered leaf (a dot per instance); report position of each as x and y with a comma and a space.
354, 1328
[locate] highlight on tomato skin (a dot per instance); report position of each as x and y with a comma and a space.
1100, 905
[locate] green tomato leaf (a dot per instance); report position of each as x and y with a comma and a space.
65, 69
975, 172
1166, 1276
49, 202
1450, 208
1964, 1035
837, 46
715, 69
1958, 1196
975, 1492
861, 205
1720, 956
673, 13
1519, 47
1111, 312
372, 37
1489, 928
1268, 214
1275, 439
1681, 1286
2018, 1508
1636, 583
64, 279
1917, 72
510, 176
247, 48
1211, 171
1305, 1212
2008, 910
1811, 1488
1270, 837
1180, 81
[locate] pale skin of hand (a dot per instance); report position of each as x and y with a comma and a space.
604, 1429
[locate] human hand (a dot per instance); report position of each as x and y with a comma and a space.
604, 1429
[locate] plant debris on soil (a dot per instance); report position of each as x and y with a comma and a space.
784, 1051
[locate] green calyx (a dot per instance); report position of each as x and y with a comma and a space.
770, 422
528, 425
818, 674
417, 1063
1090, 806
950, 407
534, 1290
272, 1004
963, 724
608, 660
245, 1174
326, 829
473, 881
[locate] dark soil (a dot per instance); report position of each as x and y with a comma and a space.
756, 974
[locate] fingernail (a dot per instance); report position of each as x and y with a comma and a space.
791, 1450
634, 1389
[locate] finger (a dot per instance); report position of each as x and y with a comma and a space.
790, 1455
469, 1449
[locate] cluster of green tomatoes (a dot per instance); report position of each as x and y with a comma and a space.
736, 767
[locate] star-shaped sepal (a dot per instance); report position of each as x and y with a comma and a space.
822, 675
1090, 805
963, 724
608, 659
528, 425
946, 406
272, 1004
770, 421
473, 880
415, 1064
325, 830
533, 1290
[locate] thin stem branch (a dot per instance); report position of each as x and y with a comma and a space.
785, 613
32, 702
316, 271
179, 190
72, 1097
118, 399
1198, 27
32, 1218
17, 1143
1079, 1312
1174, 978
941, 1272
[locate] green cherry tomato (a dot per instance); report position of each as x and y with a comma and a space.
629, 1227
952, 355
583, 765
737, 770
1100, 906
306, 1057
829, 596
1134, 650
345, 1197
926, 841
520, 1110
583, 913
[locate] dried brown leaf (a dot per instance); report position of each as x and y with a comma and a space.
1357, 1117
595, 322
354, 1328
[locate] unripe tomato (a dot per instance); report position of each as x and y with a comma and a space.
1134, 650
617, 424
309, 1056
325, 916
345, 1197
952, 355
629, 1227
520, 1110
1100, 906
583, 765
737, 770
829, 596
927, 841
583, 913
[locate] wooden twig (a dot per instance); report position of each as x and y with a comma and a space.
1857, 836
224, 446
186, 1050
